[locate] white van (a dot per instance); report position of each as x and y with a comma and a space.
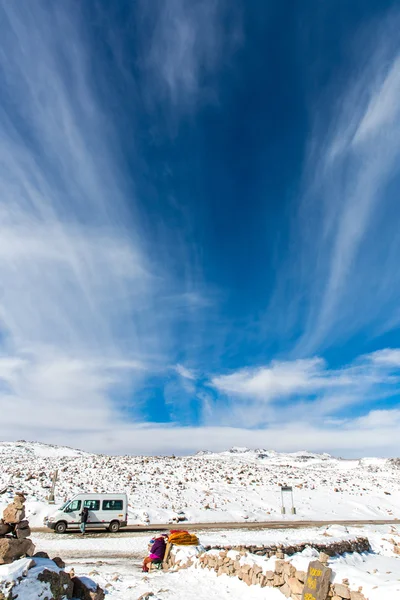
105, 510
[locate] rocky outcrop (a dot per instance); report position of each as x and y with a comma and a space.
61, 585
41, 577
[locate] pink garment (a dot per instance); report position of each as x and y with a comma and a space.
154, 556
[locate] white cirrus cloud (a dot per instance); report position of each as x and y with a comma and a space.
342, 278
185, 44
387, 356
185, 372
82, 317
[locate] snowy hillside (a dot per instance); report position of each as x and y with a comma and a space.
235, 485
24, 449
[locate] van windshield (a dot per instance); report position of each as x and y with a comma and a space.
64, 505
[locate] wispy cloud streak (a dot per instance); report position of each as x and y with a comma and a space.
346, 241
189, 41
77, 291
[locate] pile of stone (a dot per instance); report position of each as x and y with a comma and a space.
14, 532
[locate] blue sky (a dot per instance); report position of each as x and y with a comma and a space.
199, 225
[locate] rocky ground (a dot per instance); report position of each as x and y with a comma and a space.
114, 562
237, 485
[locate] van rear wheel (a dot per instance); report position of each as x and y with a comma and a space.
60, 527
113, 526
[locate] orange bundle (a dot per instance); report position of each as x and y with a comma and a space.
183, 538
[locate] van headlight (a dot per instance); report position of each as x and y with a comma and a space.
50, 519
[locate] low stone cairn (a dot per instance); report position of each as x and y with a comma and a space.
15, 532
15, 545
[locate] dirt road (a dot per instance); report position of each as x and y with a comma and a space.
242, 525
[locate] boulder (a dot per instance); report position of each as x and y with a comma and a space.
13, 514
301, 576
4, 528
357, 596
278, 580
286, 591
40, 555
86, 589
19, 501
295, 585
59, 562
22, 530
12, 549
288, 569
61, 585
342, 591
324, 558
269, 574
279, 565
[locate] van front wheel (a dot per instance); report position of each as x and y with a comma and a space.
113, 526
60, 527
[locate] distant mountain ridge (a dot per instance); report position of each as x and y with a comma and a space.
53, 450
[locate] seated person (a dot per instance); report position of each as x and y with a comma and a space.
157, 548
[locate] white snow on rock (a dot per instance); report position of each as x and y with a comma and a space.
23, 577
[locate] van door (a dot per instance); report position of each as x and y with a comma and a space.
72, 513
113, 513
94, 508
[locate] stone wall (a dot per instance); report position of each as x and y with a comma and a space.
257, 570
360, 544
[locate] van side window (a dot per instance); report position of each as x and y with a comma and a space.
73, 506
112, 505
92, 504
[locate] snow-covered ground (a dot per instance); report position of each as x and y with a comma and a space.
236, 485
114, 562
123, 545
